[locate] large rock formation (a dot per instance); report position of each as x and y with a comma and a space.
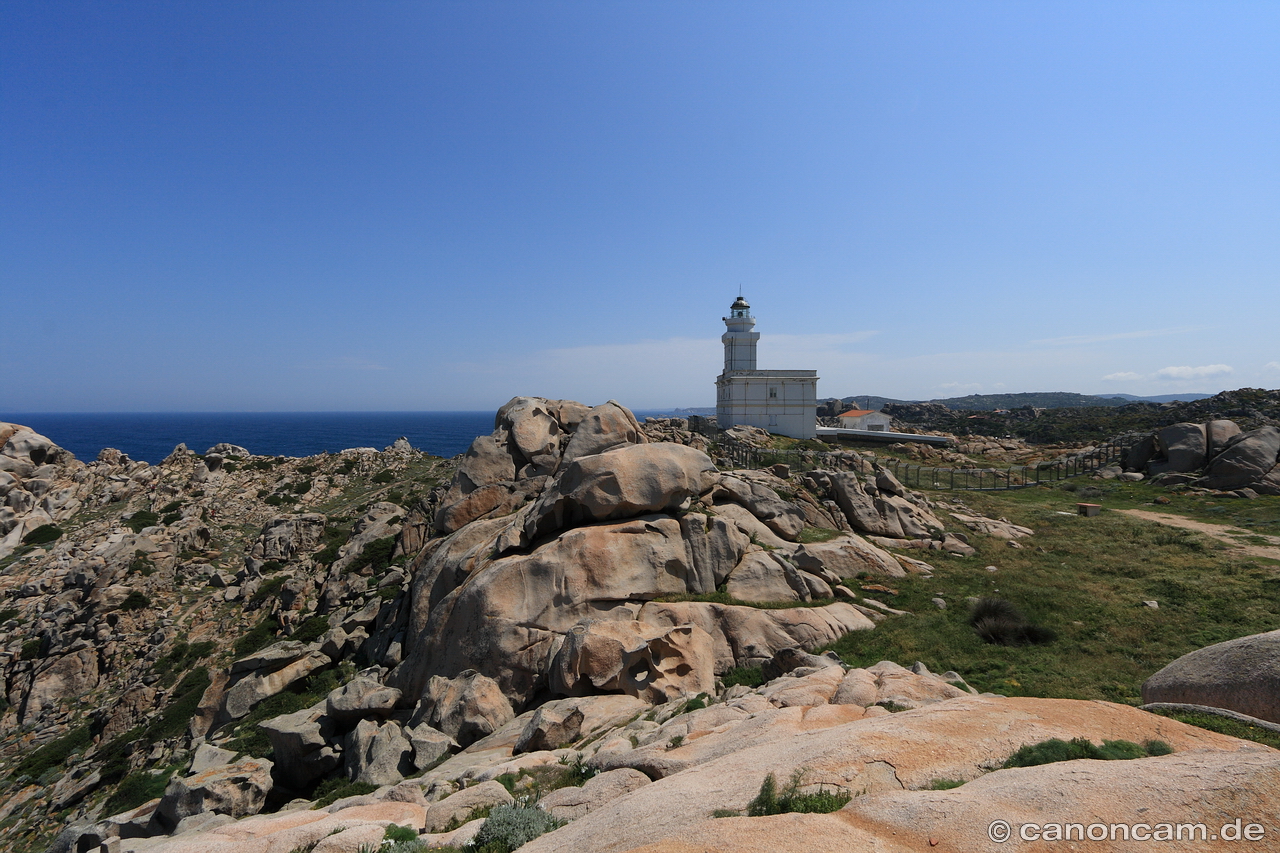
1241, 675
1225, 458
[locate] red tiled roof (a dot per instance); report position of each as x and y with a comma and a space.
853, 413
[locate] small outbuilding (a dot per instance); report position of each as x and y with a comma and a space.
865, 419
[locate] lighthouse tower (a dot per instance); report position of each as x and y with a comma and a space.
782, 401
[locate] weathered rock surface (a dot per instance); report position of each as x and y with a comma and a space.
1240, 675
651, 663
889, 755
232, 789
1246, 459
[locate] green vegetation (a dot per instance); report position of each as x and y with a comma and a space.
31, 648
135, 601
333, 538
54, 753
331, 790
42, 535
259, 637
134, 790
997, 621
376, 555
383, 477
509, 827
769, 801
944, 784
540, 781
142, 519
9, 613
311, 629
1226, 726
268, 588
1055, 749
181, 656
176, 716
751, 676
1085, 579
817, 534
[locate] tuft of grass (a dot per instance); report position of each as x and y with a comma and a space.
944, 784
997, 621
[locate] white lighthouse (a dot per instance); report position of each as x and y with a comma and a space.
782, 401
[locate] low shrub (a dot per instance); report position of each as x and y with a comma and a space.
259, 637
135, 601
1056, 749
769, 801
134, 790
510, 826
311, 629
53, 753
268, 588
141, 520
331, 790
377, 555
999, 622
383, 477
31, 649
43, 535
751, 676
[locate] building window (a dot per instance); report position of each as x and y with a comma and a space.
773, 393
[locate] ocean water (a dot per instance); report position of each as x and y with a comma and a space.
151, 436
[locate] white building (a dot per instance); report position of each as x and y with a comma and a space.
782, 401
865, 419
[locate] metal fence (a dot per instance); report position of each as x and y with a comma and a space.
918, 476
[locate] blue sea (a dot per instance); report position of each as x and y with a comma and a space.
152, 436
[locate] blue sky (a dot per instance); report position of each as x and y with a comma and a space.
437, 206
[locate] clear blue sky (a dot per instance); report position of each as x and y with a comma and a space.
434, 205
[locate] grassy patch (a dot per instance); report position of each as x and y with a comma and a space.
337, 788
1056, 749
1226, 726
134, 790
817, 534
1085, 579
770, 800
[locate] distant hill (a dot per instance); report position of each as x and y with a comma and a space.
1035, 399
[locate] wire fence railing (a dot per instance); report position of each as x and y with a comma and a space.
920, 476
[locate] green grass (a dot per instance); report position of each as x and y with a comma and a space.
1084, 579
337, 788
817, 534
771, 801
1226, 726
1056, 749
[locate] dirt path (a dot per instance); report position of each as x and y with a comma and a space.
1221, 532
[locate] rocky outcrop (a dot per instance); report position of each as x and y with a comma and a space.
1241, 675
1226, 459
651, 663
235, 790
